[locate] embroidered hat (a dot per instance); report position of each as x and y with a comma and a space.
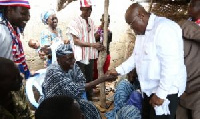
64, 49
45, 15
85, 3
22, 3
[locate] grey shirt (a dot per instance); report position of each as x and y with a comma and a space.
5, 42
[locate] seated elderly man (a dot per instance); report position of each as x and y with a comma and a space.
66, 78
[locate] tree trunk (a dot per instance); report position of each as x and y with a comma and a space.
102, 56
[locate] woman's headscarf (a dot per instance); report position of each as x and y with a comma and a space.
46, 14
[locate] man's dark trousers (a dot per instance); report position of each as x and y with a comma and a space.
148, 111
88, 72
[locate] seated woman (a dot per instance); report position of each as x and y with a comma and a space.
127, 99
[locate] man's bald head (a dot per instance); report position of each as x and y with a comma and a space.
134, 10
137, 17
194, 9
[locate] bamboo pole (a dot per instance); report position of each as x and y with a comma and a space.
102, 56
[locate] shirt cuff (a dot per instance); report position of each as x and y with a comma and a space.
119, 70
162, 94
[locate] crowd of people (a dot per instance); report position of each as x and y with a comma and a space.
163, 70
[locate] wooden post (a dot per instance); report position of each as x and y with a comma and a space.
102, 56
150, 6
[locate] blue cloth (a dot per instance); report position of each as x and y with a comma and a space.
135, 99
49, 62
64, 49
123, 91
84, 96
46, 14
47, 37
26, 73
1, 14
128, 112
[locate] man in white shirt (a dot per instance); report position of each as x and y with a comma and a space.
159, 62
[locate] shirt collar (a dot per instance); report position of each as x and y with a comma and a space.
150, 22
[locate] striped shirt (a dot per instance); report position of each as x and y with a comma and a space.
85, 32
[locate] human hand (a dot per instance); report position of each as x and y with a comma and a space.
109, 77
32, 72
97, 46
102, 48
66, 41
155, 100
112, 72
184, 95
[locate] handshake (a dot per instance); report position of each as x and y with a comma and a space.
110, 75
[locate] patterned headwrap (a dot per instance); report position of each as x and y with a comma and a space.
46, 14
22, 3
64, 49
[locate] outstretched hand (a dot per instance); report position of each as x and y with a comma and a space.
112, 72
109, 77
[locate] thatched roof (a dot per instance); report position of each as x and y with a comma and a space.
174, 9
165, 1
62, 3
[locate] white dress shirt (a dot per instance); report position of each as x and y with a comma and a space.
5, 42
159, 58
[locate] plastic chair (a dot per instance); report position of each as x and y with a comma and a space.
35, 81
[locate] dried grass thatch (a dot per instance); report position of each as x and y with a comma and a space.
62, 3
172, 11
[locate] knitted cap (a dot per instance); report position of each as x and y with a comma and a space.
64, 49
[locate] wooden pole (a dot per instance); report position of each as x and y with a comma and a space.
150, 6
102, 56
